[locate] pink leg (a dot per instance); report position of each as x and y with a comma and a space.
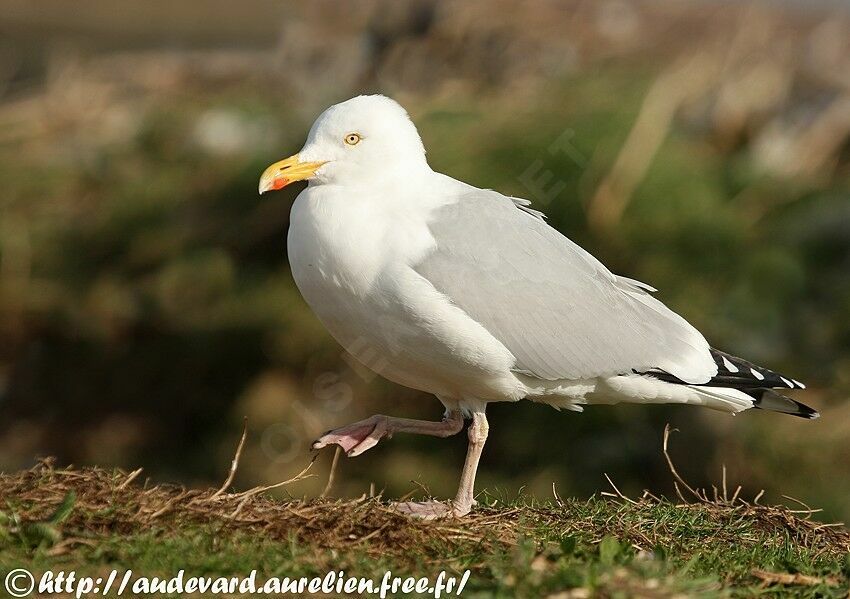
365, 434
464, 500
477, 434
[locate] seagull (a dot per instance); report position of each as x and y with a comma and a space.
471, 296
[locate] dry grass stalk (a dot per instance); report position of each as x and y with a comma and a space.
234, 464
332, 473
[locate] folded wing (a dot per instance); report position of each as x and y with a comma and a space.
560, 312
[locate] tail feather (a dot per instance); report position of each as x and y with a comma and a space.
738, 379
735, 400
768, 399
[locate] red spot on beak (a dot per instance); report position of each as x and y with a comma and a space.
280, 183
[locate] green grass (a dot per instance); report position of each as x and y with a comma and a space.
92, 521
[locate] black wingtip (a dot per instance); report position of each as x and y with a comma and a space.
768, 399
738, 373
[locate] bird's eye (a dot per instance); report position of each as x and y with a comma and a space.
352, 139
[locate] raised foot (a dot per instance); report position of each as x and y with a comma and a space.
355, 438
429, 510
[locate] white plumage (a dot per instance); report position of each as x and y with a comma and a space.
468, 294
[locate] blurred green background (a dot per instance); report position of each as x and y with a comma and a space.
146, 304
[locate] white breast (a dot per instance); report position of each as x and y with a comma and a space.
350, 257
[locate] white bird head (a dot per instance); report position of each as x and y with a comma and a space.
361, 139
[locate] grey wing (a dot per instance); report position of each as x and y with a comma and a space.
560, 312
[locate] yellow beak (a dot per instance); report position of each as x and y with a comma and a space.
282, 173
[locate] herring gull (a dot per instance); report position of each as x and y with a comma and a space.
470, 295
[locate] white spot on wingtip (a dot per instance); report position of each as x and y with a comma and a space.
757, 374
799, 384
787, 382
728, 365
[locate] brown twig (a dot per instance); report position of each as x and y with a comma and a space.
234, 464
807, 509
675, 472
130, 478
617, 491
332, 473
256, 490
246, 495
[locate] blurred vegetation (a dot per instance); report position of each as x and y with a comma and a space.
145, 298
